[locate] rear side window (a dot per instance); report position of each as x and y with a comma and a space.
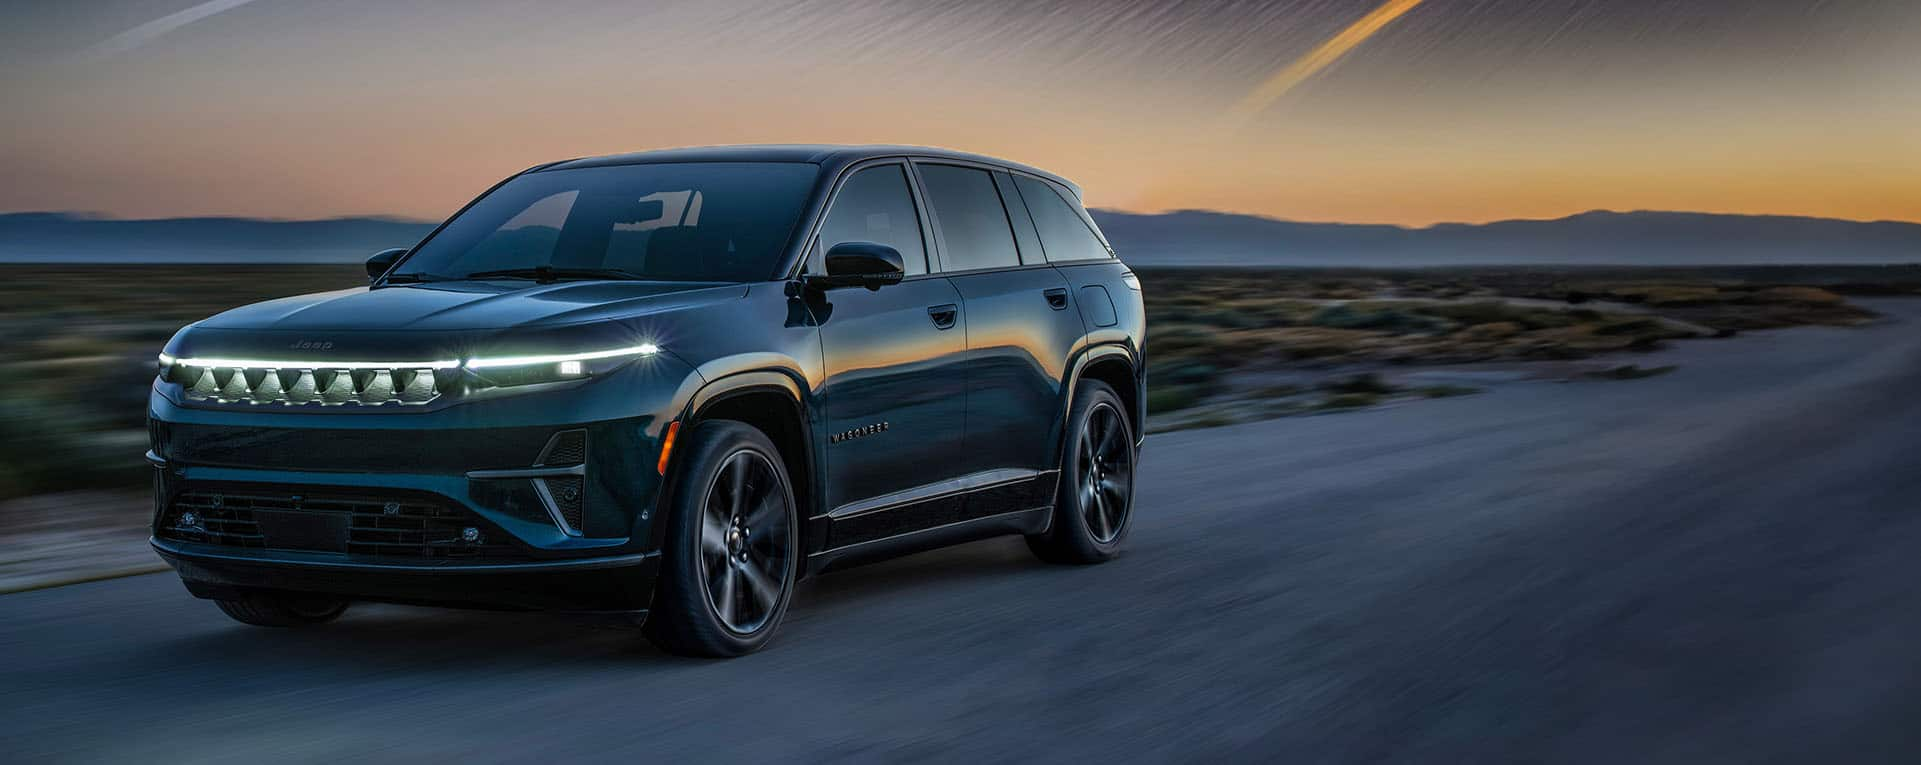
875, 206
1063, 234
972, 222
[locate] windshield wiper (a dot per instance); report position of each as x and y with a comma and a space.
413, 278
549, 274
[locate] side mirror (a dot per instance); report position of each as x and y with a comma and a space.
383, 260
860, 264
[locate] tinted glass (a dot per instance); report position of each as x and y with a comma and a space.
875, 206
1063, 233
696, 221
1024, 235
972, 222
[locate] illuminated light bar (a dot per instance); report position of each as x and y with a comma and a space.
310, 364
644, 349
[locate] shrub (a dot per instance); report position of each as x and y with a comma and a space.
1384, 318
48, 447
1279, 391
1497, 312
1366, 382
1636, 326
1188, 373
1797, 295
1671, 295
1172, 398
1631, 372
1350, 400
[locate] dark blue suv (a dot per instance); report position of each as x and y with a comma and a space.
665, 384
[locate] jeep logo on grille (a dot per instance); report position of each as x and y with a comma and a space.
311, 345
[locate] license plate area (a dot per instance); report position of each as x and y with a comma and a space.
303, 530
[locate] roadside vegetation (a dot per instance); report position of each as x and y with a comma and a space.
77, 343
1242, 344
77, 346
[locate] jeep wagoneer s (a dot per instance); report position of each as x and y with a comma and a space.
665, 384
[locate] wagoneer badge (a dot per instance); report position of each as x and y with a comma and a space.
864, 430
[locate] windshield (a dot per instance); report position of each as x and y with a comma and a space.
693, 221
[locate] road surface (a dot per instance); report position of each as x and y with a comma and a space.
1719, 564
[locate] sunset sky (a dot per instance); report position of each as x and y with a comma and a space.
1444, 110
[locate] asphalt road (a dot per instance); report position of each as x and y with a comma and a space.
1720, 564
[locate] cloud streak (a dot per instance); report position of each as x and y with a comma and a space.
1316, 60
140, 36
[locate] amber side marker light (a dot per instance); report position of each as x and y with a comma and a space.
667, 446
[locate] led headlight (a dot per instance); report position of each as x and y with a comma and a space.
527, 370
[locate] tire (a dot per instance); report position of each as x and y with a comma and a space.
1098, 433
271, 609
732, 544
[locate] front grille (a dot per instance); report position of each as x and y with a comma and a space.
309, 387
389, 528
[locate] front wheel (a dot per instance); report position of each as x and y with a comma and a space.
1096, 497
731, 555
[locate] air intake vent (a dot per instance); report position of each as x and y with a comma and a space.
291, 386
566, 494
564, 489
568, 447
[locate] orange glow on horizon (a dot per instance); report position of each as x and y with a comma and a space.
1414, 113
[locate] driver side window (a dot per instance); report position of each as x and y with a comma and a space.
875, 206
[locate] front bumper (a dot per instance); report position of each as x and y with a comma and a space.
615, 583
543, 500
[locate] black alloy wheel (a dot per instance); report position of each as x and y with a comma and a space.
1095, 503
731, 553
744, 542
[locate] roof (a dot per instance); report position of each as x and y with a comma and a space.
820, 154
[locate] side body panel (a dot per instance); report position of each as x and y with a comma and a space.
893, 396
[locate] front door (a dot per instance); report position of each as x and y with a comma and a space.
894, 394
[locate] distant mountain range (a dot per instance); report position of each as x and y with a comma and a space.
1189, 237
69, 237
1198, 237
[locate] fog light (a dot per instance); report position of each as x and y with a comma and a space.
470, 534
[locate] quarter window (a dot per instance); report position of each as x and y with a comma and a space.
973, 223
875, 206
1064, 234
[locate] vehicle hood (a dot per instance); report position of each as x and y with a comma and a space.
470, 306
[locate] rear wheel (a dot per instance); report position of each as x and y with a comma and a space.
1096, 497
272, 609
731, 554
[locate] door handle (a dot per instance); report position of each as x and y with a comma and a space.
943, 315
1056, 298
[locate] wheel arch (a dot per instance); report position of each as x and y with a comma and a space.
773, 401
1119, 367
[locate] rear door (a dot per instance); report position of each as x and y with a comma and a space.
1022, 325
1106, 292
894, 392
